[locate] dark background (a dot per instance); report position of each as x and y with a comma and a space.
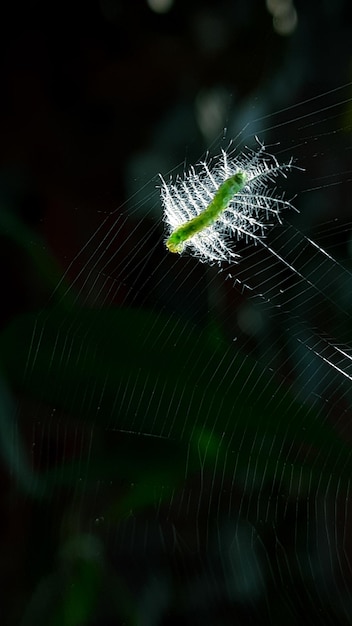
96, 98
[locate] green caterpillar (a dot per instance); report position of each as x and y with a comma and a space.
235, 198
219, 203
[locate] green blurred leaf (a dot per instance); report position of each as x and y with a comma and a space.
175, 400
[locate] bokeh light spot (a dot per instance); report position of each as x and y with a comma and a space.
160, 6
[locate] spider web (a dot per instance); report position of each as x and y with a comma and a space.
183, 430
